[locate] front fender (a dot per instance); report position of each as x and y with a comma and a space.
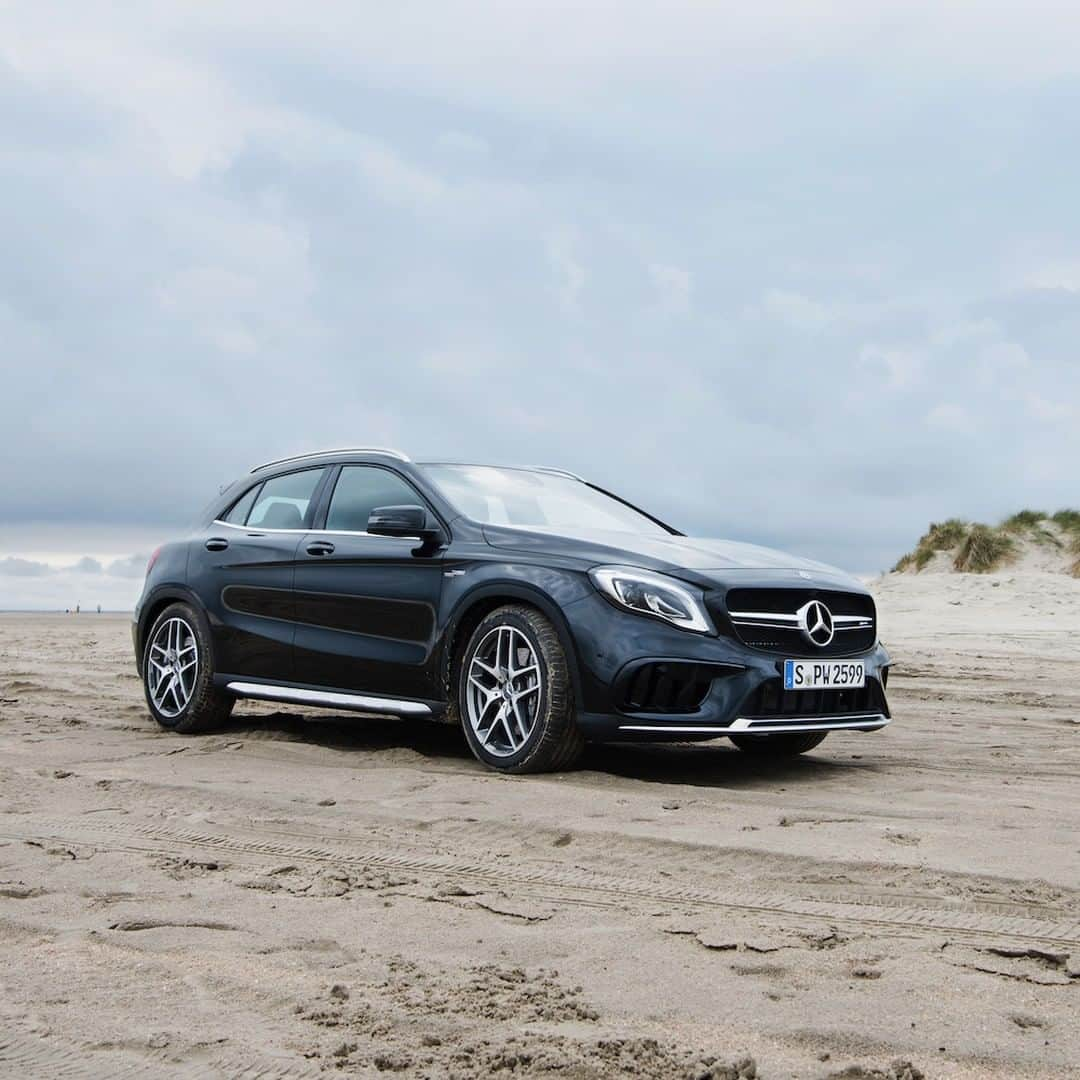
547, 589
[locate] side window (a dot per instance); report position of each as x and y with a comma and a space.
361, 488
242, 507
283, 502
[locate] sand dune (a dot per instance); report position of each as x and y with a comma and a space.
291, 898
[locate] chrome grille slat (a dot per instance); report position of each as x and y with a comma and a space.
767, 619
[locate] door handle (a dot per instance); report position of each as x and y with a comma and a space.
216, 543
320, 547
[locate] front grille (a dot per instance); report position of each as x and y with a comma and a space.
766, 619
668, 687
772, 701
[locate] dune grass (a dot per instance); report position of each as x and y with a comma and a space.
941, 536
979, 549
1069, 520
984, 549
1023, 520
1069, 523
1033, 524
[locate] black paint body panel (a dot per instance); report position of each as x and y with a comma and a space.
366, 615
255, 565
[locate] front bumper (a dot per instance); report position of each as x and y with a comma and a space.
740, 685
749, 725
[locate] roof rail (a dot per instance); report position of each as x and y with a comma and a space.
557, 472
336, 450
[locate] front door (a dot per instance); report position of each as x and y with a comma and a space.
243, 568
366, 606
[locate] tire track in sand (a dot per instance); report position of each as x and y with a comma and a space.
568, 885
34, 1057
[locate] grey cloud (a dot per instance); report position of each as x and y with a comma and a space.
132, 566
737, 309
13, 566
87, 565
1027, 310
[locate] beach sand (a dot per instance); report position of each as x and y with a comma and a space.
309, 894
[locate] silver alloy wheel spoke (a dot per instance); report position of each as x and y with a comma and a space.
172, 667
523, 729
505, 673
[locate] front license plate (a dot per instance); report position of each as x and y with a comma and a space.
823, 674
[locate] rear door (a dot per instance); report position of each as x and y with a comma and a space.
243, 567
366, 605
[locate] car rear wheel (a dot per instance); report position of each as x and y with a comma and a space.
778, 746
178, 673
515, 696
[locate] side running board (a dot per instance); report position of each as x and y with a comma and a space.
295, 695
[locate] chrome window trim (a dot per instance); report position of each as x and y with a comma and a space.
254, 530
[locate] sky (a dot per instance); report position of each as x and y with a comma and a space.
806, 274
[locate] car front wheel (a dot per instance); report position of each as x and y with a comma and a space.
515, 695
178, 673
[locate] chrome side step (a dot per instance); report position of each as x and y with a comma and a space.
296, 695
760, 726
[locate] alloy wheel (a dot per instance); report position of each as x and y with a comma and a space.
172, 665
503, 691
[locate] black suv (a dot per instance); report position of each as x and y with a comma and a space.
529, 606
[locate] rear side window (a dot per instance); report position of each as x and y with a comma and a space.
359, 490
242, 507
283, 502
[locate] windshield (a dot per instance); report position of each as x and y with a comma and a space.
534, 499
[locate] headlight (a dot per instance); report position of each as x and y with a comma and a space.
654, 594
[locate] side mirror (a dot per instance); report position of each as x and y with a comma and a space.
411, 521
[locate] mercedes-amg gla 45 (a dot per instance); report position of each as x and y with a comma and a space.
533, 608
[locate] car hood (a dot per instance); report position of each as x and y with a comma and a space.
716, 561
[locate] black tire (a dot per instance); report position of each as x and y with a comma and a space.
208, 707
778, 746
554, 743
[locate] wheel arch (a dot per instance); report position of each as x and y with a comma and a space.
155, 604
472, 608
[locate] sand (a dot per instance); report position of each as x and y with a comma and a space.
321, 895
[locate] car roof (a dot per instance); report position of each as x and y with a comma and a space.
383, 451
335, 452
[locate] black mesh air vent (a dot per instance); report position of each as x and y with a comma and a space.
668, 687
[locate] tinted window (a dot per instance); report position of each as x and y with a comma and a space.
283, 502
238, 514
361, 488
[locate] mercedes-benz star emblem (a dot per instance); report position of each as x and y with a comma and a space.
816, 623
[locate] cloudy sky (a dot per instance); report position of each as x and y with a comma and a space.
806, 274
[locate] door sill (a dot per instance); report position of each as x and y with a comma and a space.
296, 695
